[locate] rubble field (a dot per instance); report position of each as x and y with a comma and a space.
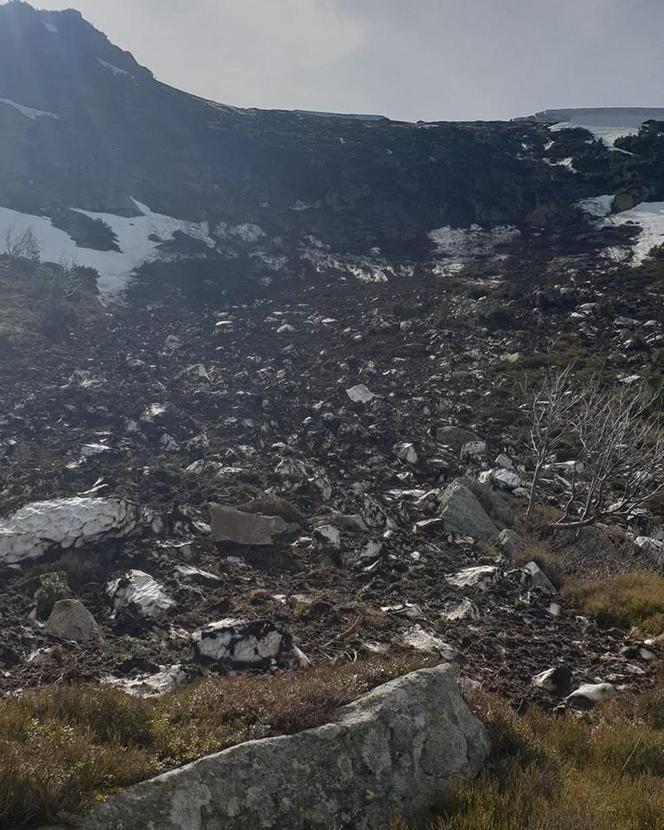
307, 471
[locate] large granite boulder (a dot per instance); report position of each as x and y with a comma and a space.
394, 751
463, 514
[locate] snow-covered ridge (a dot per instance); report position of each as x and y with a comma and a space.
138, 238
29, 112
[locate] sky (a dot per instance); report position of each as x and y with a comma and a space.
407, 59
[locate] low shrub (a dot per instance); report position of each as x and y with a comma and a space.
62, 747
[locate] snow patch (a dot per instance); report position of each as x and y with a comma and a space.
597, 206
649, 216
138, 238
608, 134
51, 27
29, 112
114, 69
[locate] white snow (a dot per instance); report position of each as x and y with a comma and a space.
472, 241
29, 112
114, 69
597, 206
115, 268
650, 217
51, 27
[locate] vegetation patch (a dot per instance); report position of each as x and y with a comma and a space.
552, 772
63, 747
630, 600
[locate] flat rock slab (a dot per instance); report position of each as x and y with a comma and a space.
394, 751
229, 525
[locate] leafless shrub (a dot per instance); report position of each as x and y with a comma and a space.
551, 409
22, 245
619, 441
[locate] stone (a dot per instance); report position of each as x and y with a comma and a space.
463, 515
229, 525
243, 644
503, 462
137, 590
590, 694
481, 576
511, 542
537, 578
506, 480
455, 437
421, 640
395, 751
71, 620
556, 681
360, 394
462, 610
39, 527
328, 535
405, 452
151, 685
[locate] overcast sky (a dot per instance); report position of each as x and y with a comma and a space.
409, 59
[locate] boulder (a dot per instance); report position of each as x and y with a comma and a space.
405, 452
229, 525
242, 644
39, 527
360, 393
71, 620
463, 514
397, 750
138, 591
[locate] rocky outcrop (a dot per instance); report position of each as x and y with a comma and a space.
394, 751
63, 523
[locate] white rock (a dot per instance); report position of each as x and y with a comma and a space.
421, 640
360, 394
330, 534
243, 643
537, 578
63, 523
592, 693
463, 610
481, 576
150, 685
139, 589
405, 452
504, 463
506, 480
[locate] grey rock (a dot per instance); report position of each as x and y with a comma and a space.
463, 514
396, 750
71, 620
229, 525
495, 505
537, 578
511, 542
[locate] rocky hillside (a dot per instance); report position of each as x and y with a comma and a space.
304, 435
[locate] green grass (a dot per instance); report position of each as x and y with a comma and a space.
63, 747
